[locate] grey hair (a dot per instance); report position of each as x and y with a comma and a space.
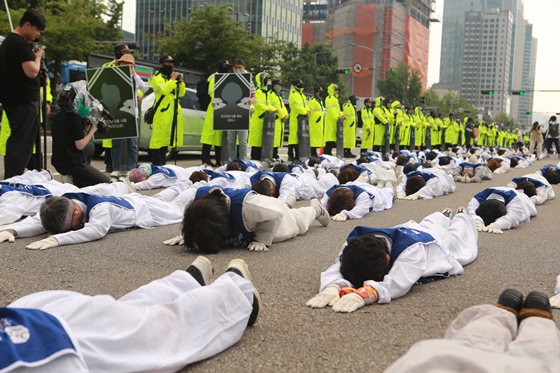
56, 214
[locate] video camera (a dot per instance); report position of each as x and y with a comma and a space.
76, 99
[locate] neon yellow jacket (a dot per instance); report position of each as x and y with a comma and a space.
316, 122
209, 136
379, 123
298, 106
261, 106
163, 118
367, 128
350, 125
278, 103
332, 104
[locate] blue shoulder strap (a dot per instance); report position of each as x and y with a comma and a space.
33, 190
163, 170
92, 200
508, 195
535, 182
216, 174
30, 337
359, 168
426, 175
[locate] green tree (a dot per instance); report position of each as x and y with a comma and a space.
402, 82
300, 64
450, 103
503, 118
487, 118
210, 35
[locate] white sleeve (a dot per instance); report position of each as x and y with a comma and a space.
406, 270
401, 186
12, 207
541, 196
140, 84
325, 200
333, 276
364, 178
288, 187
28, 227
100, 221
220, 181
153, 182
362, 206
472, 207
432, 188
515, 214
260, 212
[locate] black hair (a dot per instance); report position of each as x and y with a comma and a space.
444, 161
395, 154
365, 258
262, 187
472, 150
493, 164
513, 162
238, 61
414, 184
528, 188
552, 176
409, 167
233, 166
348, 174
490, 210
362, 160
198, 176
313, 161
501, 152
34, 18
340, 199
280, 167
402, 159
206, 221
431, 156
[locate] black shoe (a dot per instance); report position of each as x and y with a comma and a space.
537, 301
218, 163
239, 267
208, 163
447, 213
461, 210
108, 168
512, 298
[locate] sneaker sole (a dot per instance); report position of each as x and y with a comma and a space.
204, 264
240, 267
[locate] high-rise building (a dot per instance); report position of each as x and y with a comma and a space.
486, 60
452, 35
262, 17
377, 34
522, 105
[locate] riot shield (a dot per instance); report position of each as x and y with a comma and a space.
460, 142
340, 138
397, 137
224, 158
387, 138
304, 143
443, 146
268, 136
429, 138
412, 138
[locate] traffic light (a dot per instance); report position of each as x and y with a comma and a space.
343, 71
517, 93
487, 92
529, 112
421, 100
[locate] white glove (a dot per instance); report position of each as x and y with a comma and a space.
257, 246
7, 236
328, 296
349, 303
178, 240
412, 197
494, 228
203, 182
340, 217
47, 243
554, 301
480, 226
466, 179
400, 196
533, 199
291, 201
189, 183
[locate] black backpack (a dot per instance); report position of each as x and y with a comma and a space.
553, 130
202, 94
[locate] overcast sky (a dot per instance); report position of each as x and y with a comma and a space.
543, 14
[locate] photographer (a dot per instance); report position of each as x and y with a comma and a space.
20, 90
72, 151
536, 138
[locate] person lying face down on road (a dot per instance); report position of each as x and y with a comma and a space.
291, 187
425, 184
551, 174
354, 201
368, 172
220, 218
228, 179
472, 173
147, 176
378, 265
535, 186
162, 326
498, 165
497, 209
238, 165
83, 217
325, 160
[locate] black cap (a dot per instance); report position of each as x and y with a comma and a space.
122, 49
298, 81
367, 100
352, 97
318, 89
277, 82
166, 59
450, 114
224, 63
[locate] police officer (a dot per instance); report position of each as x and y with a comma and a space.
262, 106
442, 128
350, 125
434, 130
167, 128
277, 101
210, 137
332, 104
298, 106
367, 126
379, 124
316, 121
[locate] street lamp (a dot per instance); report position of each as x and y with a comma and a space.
237, 14
317, 54
373, 67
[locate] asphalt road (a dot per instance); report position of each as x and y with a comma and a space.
290, 337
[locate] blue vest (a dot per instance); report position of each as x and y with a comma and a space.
474, 166
30, 336
426, 175
216, 174
354, 188
359, 168
32, 190
292, 166
535, 182
545, 169
277, 176
416, 164
507, 194
239, 236
163, 170
245, 164
518, 158
92, 200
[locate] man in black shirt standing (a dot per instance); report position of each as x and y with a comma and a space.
20, 90
72, 151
